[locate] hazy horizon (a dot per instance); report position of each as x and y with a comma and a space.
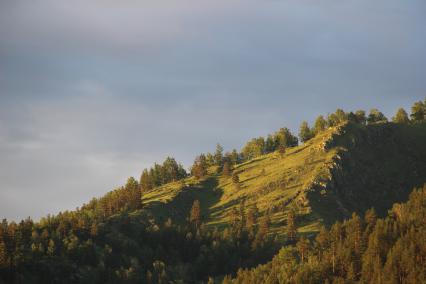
92, 92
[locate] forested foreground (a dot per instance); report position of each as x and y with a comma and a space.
75, 248
80, 247
359, 250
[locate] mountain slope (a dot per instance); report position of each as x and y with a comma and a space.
347, 168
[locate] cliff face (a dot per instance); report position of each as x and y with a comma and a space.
374, 166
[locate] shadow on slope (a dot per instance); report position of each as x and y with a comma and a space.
178, 208
376, 166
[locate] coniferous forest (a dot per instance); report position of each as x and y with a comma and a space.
241, 217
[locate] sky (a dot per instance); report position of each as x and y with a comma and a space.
92, 92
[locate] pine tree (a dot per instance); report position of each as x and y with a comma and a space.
233, 217
332, 120
234, 157
320, 124
305, 132
322, 240
51, 248
252, 216
3, 254
418, 112
265, 223
199, 169
401, 116
270, 144
370, 217
242, 213
195, 216
376, 116
226, 169
291, 226
218, 155
146, 180
341, 115
303, 248
236, 180
360, 116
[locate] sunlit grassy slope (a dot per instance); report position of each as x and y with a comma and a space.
272, 182
310, 179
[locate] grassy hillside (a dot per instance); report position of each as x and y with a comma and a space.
344, 169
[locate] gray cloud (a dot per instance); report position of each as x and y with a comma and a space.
93, 91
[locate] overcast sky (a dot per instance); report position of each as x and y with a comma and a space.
91, 92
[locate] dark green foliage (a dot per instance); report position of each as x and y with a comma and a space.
418, 111
305, 133
390, 250
285, 138
218, 155
126, 248
378, 163
376, 116
235, 158
360, 116
258, 146
320, 124
254, 148
158, 175
125, 198
336, 118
